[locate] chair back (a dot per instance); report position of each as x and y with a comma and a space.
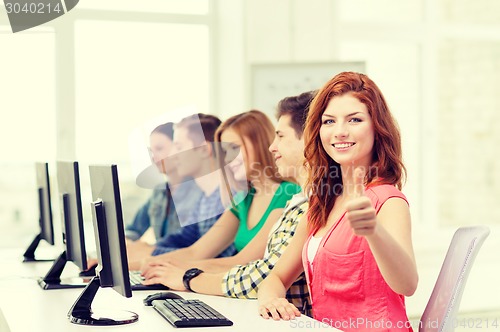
440, 314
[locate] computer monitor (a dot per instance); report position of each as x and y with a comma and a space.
112, 269
70, 203
45, 213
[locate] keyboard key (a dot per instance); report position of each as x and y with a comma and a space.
135, 277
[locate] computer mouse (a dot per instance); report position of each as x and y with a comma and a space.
90, 272
160, 296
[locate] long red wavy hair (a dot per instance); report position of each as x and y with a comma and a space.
325, 177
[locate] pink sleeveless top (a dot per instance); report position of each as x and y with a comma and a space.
347, 289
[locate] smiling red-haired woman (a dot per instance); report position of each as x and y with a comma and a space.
355, 245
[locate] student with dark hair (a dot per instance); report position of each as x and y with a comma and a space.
237, 277
194, 158
356, 250
159, 212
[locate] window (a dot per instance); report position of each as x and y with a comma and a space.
28, 126
148, 69
108, 67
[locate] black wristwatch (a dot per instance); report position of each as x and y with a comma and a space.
190, 274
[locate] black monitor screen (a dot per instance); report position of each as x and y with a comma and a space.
108, 227
112, 268
70, 202
45, 213
68, 180
43, 186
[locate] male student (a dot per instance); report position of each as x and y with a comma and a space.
215, 276
195, 158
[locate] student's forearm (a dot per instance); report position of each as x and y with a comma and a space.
181, 254
214, 265
271, 288
395, 264
207, 283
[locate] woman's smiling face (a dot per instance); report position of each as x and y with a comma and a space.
346, 132
236, 155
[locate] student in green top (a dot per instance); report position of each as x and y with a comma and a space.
242, 211
243, 140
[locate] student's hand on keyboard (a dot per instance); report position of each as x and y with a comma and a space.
151, 261
138, 250
166, 274
91, 261
148, 262
278, 308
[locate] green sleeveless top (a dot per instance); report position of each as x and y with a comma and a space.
244, 235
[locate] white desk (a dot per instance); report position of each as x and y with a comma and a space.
26, 307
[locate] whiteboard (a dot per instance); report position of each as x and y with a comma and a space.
273, 82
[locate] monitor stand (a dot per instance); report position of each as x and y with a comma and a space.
52, 279
29, 254
81, 311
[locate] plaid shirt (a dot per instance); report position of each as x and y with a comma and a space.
202, 217
242, 281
